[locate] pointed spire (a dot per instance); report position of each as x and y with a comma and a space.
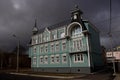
77, 10
76, 6
35, 25
35, 29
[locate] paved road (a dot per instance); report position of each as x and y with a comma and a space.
100, 76
4, 76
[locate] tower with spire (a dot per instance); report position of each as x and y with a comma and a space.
35, 28
76, 14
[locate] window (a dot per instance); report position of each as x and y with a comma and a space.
78, 57
52, 48
57, 59
40, 38
34, 50
64, 58
46, 49
74, 44
54, 35
52, 58
41, 59
76, 31
62, 35
35, 39
34, 60
47, 38
77, 44
57, 47
43, 38
64, 46
41, 49
46, 59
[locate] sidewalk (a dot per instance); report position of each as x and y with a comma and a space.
96, 76
29, 72
117, 76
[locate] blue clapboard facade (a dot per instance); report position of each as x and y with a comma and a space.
73, 47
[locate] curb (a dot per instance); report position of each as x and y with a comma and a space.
33, 75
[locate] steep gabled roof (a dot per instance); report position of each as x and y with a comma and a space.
55, 26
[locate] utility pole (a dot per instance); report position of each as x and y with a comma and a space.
110, 35
17, 68
113, 58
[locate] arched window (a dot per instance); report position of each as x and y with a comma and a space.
76, 31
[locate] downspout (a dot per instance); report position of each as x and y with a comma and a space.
88, 50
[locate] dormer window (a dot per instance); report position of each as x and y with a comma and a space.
54, 35
35, 40
76, 31
62, 35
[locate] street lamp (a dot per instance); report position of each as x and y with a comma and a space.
18, 45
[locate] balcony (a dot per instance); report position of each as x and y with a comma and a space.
75, 50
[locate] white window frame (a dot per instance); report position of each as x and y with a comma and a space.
46, 48
34, 49
52, 47
42, 49
57, 47
77, 44
76, 57
61, 33
52, 59
80, 44
34, 60
54, 36
41, 60
64, 42
75, 32
74, 44
40, 38
63, 60
57, 58
46, 59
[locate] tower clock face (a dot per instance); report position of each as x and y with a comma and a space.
75, 16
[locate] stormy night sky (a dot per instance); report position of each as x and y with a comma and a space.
17, 17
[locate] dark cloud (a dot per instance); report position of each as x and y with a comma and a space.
17, 17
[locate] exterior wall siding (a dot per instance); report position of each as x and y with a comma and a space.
49, 42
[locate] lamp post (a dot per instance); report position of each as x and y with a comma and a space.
18, 45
